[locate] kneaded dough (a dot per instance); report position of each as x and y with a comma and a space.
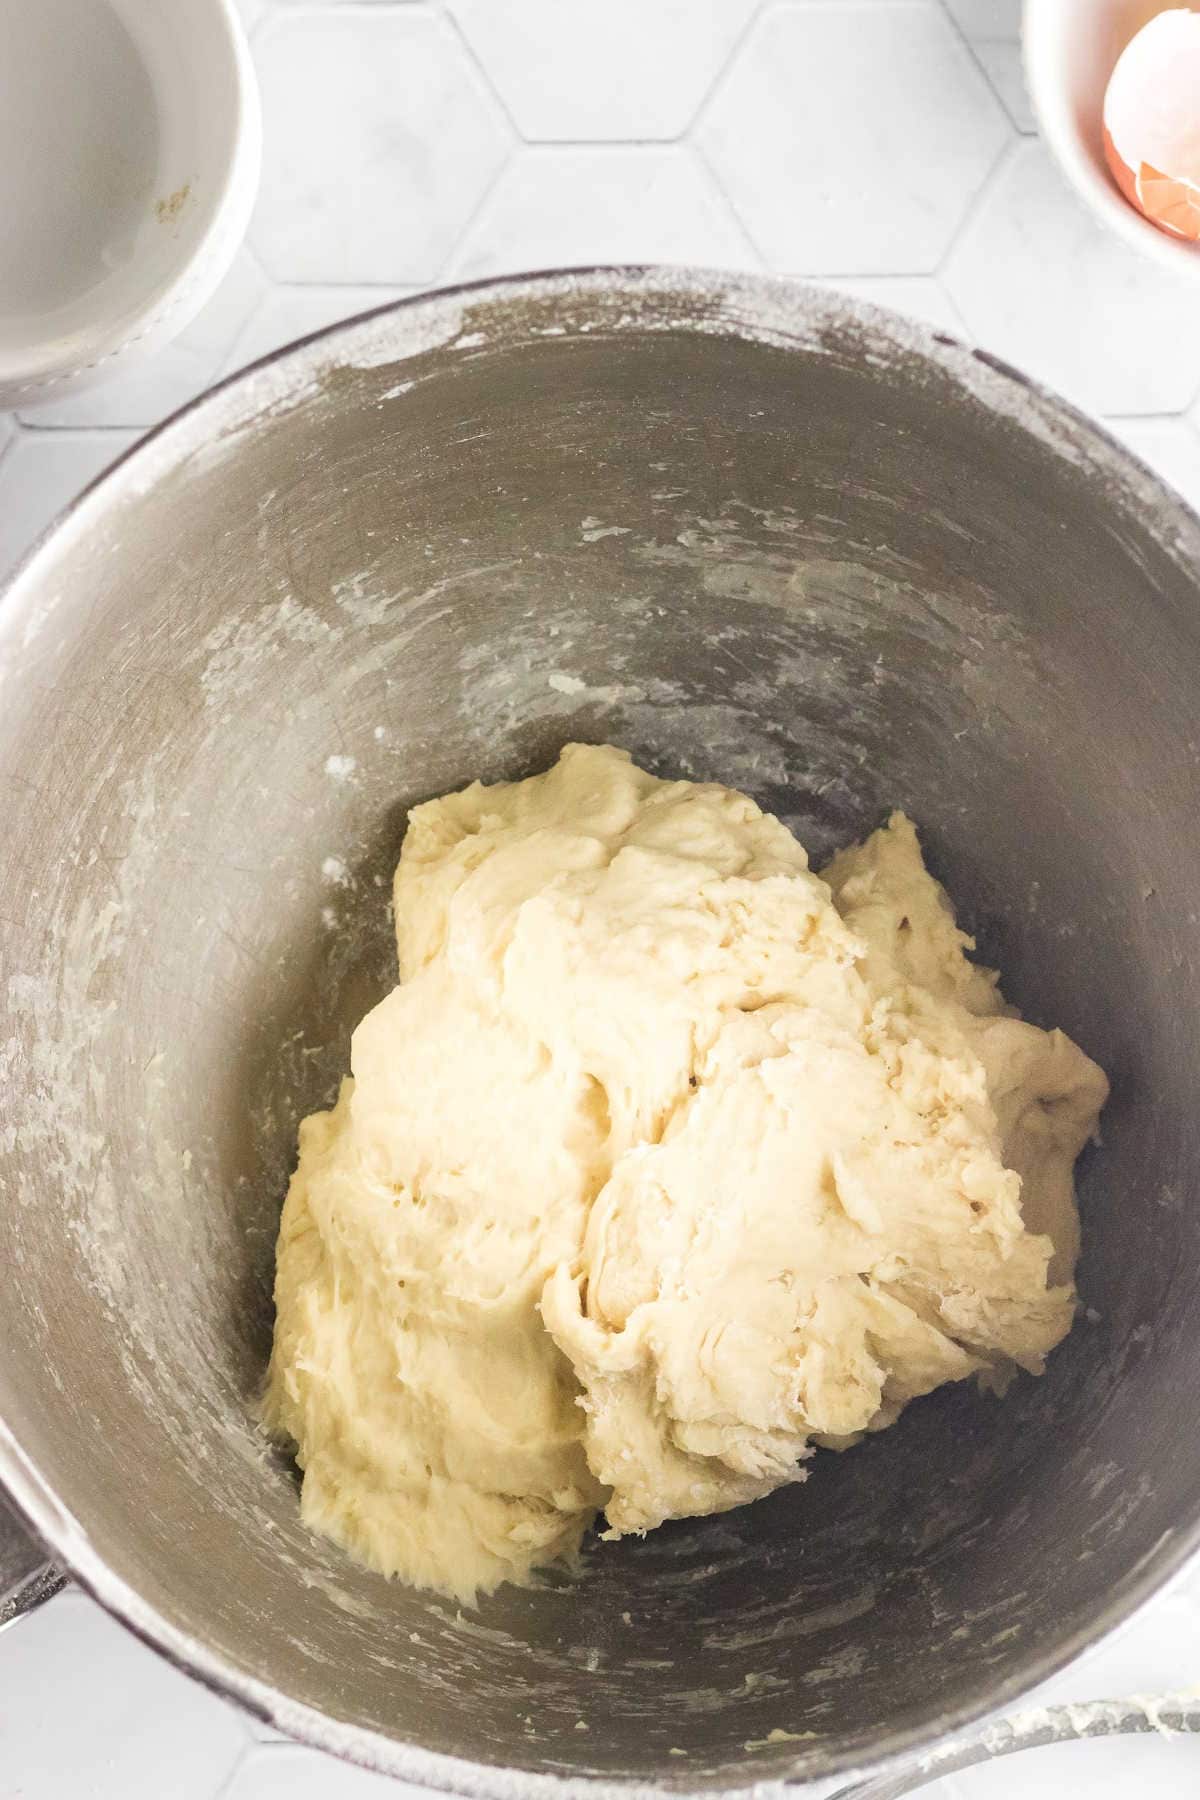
666, 1161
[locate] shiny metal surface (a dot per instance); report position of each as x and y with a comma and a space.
752, 532
1166, 1715
27, 1576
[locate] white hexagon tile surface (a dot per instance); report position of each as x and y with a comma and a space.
621, 70
560, 204
853, 138
41, 471
1038, 281
288, 313
883, 146
381, 140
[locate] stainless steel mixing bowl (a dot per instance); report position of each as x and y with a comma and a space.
752, 532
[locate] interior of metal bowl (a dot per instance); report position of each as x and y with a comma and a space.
752, 536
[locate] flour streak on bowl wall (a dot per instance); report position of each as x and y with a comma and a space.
742, 529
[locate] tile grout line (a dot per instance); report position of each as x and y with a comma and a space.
969, 45
517, 141
477, 63
757, 12
756, 262
975, 204
443, 275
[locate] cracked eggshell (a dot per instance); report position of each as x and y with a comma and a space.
1152, 122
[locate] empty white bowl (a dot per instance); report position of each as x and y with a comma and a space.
1071, 49
130, 141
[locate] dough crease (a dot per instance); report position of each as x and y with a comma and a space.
666, 1162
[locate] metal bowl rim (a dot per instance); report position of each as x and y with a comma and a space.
772, 310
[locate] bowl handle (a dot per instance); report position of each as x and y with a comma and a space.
27, 1575
1167, 1714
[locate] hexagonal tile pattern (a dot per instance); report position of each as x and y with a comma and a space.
40, 473
602, 69
290, 313
287, 1772
381, 139
978, 19
554, 207
147, 391
1001, 63
1039, 282
851, 139
856, 140
91, 1713
993, 30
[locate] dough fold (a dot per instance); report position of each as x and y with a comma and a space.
666, 1161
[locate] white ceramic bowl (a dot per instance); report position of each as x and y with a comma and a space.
1071, 49
130, 142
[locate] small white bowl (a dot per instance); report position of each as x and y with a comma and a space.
1071, 49
130, 143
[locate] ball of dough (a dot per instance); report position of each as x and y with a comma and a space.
666, 1161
